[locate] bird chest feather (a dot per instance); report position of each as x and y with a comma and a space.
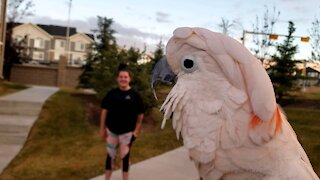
201, 117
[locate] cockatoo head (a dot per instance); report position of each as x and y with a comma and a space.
214, 76
223, 104
199, 57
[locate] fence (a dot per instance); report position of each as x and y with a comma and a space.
47, 75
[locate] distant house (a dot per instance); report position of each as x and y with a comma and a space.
46, 43
145, 58
311, 71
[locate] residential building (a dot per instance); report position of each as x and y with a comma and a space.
47, 43
145, 58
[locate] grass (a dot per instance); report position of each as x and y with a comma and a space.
303, 113
311, 93
64, 145
8, 87
306, 123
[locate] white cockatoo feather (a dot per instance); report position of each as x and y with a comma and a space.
223, 104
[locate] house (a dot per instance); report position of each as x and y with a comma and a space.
309, 68
311, 71
46, 43
145, 58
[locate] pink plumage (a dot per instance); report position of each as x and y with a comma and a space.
224, 106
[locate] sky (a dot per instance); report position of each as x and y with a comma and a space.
146, 22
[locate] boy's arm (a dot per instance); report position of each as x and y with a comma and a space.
103, 116
138, 125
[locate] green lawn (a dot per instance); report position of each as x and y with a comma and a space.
64, 145
304, 115
8, 87
306, 123
311, 93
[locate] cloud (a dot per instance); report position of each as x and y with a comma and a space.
238, 4
301, 9
162, 17
292, 1
82, 26
128, 31
298, 7
297, 20
129, 8
126, 36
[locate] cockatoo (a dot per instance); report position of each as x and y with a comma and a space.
224, 106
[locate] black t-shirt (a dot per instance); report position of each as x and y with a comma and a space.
123, 108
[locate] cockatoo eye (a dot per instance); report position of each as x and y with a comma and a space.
188, 64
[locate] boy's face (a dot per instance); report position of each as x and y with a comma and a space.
123, 79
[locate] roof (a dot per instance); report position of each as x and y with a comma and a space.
17, 26
86, 36
90, 35
58, 30
314, 69
55, 30
61, 30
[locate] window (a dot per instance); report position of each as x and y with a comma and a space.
312, 74
79, 46
38, 55
39, 43
76, 57
78, 60
59, 43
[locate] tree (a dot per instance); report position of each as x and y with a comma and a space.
263, 42
100, 69
130, 56
227, 25
282, 73
158, 53
17, 9
315, 39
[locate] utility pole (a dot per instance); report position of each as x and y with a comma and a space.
68, 35
305, 76
3, 27
243, 37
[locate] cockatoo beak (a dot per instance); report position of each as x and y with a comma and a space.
163, 73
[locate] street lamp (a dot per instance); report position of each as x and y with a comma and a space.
68, 34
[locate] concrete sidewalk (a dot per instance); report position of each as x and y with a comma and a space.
173, 165
18, 112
